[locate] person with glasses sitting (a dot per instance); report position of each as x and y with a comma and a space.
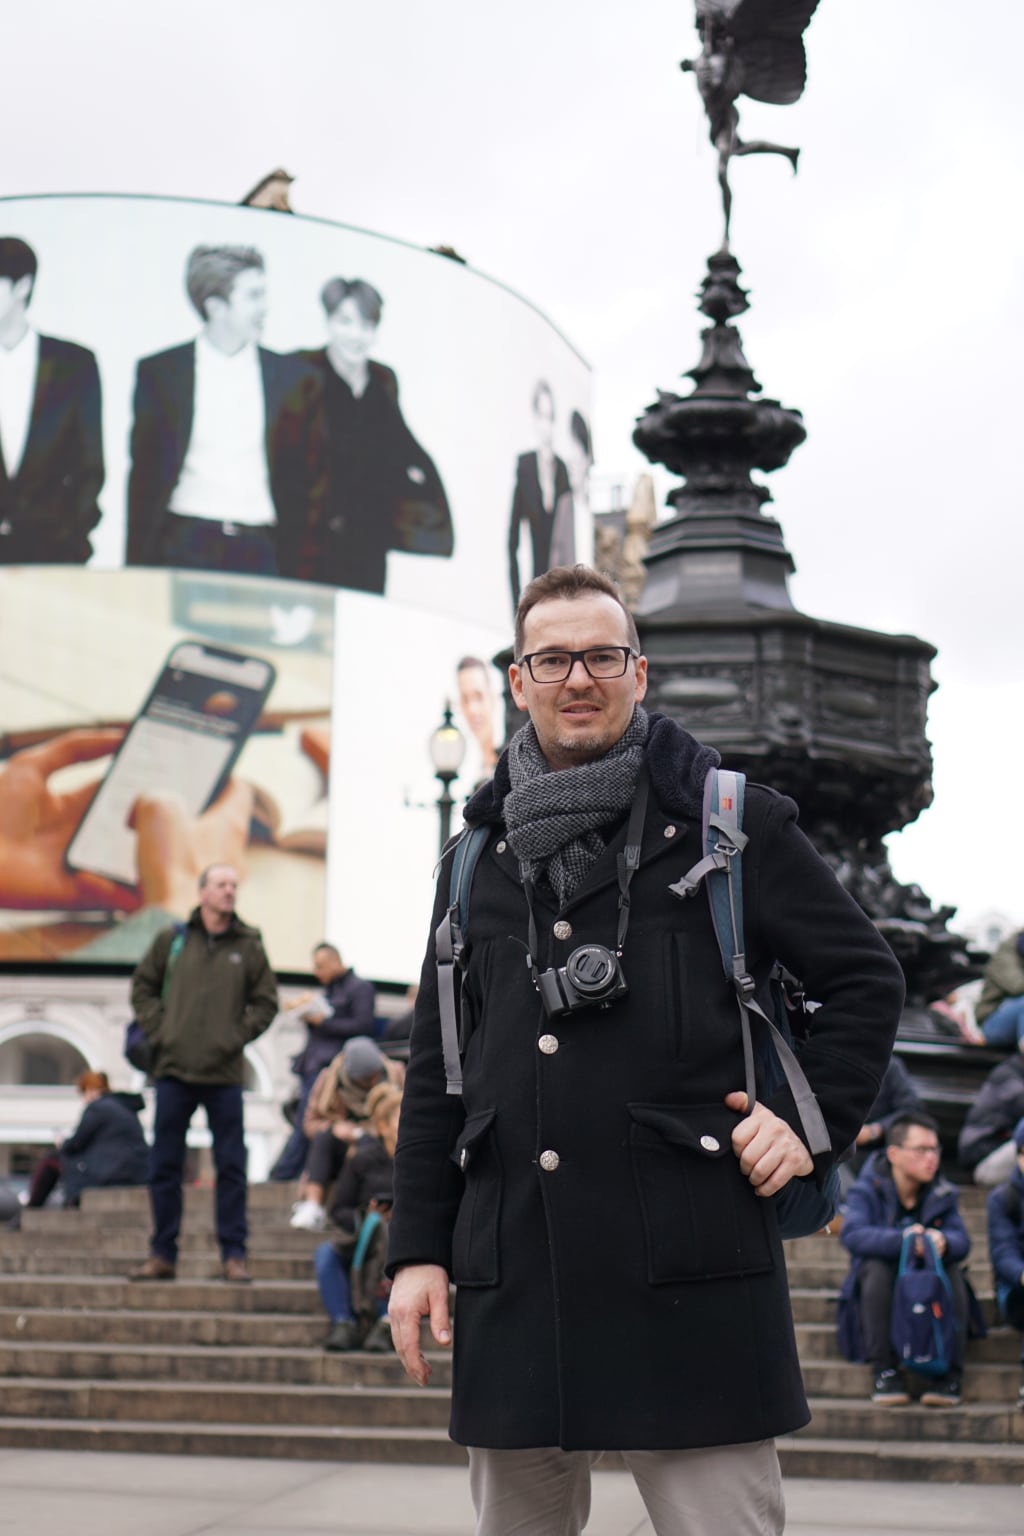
900, 1190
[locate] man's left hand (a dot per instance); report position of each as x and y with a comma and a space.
769, 1150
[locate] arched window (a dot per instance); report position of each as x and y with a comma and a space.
31, 1057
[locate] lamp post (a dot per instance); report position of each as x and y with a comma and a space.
447, 749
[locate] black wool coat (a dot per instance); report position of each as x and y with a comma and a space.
634, 1296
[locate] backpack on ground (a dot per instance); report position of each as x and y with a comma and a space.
923, 1330
770, 1060
137, 1050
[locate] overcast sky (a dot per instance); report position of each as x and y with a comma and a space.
558, 147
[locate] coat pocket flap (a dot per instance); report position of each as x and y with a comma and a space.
702, 1128
473, 1132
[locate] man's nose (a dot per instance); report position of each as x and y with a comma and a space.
578, 673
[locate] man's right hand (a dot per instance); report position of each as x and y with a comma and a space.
419, 1290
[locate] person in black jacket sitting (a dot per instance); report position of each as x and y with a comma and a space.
106, 1148
341, 1011
363, 1188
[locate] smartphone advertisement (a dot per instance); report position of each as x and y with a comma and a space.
140, 746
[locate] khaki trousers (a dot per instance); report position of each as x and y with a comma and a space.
724, 1490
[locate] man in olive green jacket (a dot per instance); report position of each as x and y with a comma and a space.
201, 992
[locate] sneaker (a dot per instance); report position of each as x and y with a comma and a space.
944, 1394
343, 1337
379, 1341
309, 1216
890, 1388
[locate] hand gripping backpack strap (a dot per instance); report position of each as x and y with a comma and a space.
721, 870
449, 948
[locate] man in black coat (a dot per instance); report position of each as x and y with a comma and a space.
51, 442
226, 458
601, 1191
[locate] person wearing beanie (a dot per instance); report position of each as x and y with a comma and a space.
336, 1118
1006, 1246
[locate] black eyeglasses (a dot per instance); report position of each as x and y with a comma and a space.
601, 661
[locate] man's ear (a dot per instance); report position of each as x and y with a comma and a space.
515, 678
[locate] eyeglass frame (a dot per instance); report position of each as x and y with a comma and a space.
574, 657
920, 1151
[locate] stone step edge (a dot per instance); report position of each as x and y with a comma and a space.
398, 1445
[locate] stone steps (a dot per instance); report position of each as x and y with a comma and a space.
199, 1366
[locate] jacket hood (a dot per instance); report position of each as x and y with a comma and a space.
236, 927
676, 761
133, 1101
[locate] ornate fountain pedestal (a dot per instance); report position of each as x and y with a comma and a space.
830, 714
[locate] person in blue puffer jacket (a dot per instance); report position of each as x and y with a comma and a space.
1006, 1245
900, 1190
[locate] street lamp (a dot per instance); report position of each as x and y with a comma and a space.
447, 749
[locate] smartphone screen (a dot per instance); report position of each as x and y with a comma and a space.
185, 740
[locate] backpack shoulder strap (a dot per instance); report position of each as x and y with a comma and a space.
450, 941
721, 870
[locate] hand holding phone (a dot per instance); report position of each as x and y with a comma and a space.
176, 759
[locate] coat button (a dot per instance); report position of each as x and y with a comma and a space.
548, 1044
710, 1143
549, 1161
563, 930
669, 831
500, 847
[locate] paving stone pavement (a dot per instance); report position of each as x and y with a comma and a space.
52, 1493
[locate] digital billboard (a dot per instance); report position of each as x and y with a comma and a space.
269, 488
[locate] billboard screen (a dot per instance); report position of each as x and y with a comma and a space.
194, 386
269, 488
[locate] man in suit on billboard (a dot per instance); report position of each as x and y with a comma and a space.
225, 458
541, 481
51, 444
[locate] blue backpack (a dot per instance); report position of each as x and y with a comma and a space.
923, 1328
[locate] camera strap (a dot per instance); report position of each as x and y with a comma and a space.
628, 862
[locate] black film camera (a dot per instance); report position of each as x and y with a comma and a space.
591, 977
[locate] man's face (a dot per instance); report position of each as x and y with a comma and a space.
13, 297
918, 1158
581, 718
242, 313
217, 897
476, 700
545, 418
327, 966
350, 333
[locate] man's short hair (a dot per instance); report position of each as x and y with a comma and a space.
569, 581
363, 295
470, 661
212, 270
208, 871
17, 260
900, 1129
331, 949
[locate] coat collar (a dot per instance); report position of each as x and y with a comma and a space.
677, 764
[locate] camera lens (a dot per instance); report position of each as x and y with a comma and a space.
592, 970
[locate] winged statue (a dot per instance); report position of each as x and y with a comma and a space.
750, 48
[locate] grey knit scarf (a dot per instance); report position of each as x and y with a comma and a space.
551, 814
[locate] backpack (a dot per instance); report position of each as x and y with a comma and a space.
923, 1329
801, 1207
771, 1063
137, 1050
